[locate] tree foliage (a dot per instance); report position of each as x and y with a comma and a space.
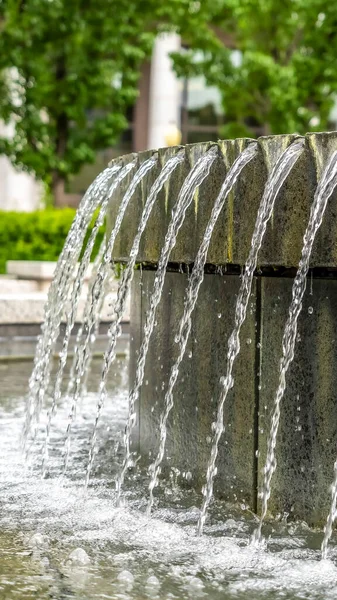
70, 69
69, 72
275, 66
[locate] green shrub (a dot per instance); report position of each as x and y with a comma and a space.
38, 235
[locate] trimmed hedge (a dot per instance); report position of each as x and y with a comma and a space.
38, 235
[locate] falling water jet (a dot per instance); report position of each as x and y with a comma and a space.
94, 332
79, 336
58, 293
75, 297
275, 181
195, 281
326, 186
98, 291
331, 516
280, 250
119, 307
192, 182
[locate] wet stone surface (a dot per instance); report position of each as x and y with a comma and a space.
307, 438
197, 390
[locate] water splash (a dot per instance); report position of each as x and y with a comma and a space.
194, 284
275, 181
323, 192
58, 294
79, 336
192, 182
75, 297
122, 294
331, 516
98, 290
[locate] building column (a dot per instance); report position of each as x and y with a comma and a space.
164, 91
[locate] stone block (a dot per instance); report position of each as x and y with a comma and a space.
197, 389
307, 439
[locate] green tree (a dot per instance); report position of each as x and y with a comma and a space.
274, 62
69, 72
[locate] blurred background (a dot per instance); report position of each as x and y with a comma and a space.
82, 82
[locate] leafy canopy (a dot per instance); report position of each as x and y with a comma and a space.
282, 75
70, 69
69, 72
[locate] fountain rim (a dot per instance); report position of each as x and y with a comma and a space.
282, 139
231, 247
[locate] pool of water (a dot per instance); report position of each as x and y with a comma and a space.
58, 541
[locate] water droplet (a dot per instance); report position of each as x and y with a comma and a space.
38, 540
219, 315
248, 341
125, 577
153, 582
79, 557
310, 310
195, 584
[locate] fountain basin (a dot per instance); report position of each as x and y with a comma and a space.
307, 438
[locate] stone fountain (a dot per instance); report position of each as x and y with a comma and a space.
307, 438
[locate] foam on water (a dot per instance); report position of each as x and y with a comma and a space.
58, 541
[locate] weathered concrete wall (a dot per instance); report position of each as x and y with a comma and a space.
308, 437
197, 390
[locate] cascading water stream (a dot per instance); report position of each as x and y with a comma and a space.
275, 181
195, 281
122, 295
98, 290
95, 330
64, 296
79, 335
58, 293
331, 516
75, 297
323, 192
194, 179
